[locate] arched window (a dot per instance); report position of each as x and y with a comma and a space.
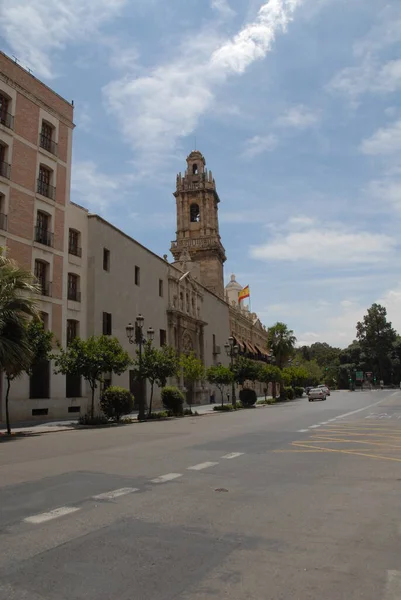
194, 169
195, 213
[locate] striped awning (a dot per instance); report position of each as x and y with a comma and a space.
239, 343
262, 352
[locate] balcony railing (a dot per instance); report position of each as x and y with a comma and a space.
46, 288
47, 144
44, 236
3, 222
5, 169
7, 120
75, 250
46, 189
73, 294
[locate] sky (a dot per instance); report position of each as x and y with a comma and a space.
296, 106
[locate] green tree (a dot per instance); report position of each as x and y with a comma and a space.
297, 376
116, 402
92, 358
281, 343
269, 374
245, 369
220, 376
192, 369
157, 366
324, 354
376, 337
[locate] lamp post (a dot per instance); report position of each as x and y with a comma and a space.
232, 352
135, 336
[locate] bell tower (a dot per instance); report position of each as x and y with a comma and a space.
198, 222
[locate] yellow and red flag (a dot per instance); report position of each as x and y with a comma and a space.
244, 293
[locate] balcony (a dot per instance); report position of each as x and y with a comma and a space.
45, 189
46, 288
73, 294
75, 250
47, 144
5, 169
44, 236
3, 222
7, 120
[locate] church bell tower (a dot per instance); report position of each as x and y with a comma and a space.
198, 223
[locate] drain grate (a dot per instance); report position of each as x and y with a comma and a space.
221, 490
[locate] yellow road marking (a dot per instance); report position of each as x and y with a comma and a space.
352, 452
342, 441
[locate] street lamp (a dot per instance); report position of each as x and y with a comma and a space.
135, 336
232, 352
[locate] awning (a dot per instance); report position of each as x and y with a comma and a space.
252, 347
239, 343
262, 352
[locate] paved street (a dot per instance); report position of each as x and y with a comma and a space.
296, 501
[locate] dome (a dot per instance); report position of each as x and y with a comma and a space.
233, 285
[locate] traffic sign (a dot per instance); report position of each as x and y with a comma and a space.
359, 375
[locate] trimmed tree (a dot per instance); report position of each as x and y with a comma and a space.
192, 370
92, 358
269, 374
220, 376
116, 402
157, 366
245, 369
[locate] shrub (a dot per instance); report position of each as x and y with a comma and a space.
97, 420
287, 393
223, 407
299, 391
248, 397
173, 400
190, 413
116, 402
268, 401
163, 414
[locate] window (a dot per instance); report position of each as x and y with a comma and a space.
73, 389
161, 288
73, 288
42, 275
106, 382
45, 320
46, 140
194, 213
106, 323
44, 183
194, 169
106, 259
5, 116
163, 337
39, 383
42, 233
4, 166
3, 216
137, 276
72, 330
73, 243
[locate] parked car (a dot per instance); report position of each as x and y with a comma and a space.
325, 387
316, 394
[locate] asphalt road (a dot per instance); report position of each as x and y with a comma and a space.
297, 501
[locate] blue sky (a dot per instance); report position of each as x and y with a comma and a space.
295, 105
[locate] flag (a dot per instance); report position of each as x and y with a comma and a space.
244, 293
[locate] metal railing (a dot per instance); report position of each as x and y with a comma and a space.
46, 288
44, 236
7, 120
75, 250
3, 222
5, 169
74, 294
47, 144
46, 189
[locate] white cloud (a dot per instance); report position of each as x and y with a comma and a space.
82, 115
298, 117
222, 7
326, 245
92, 188
369, 77
386, 140
258, 145
387, 190
35, 30
163, 106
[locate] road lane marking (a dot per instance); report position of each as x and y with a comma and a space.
354, 412
393, 586
302, 430
202, 466
351, 452
165, 478
52, 514
115, 494
314, 426
233, 455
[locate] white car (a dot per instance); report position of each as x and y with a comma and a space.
317, 394
324, 387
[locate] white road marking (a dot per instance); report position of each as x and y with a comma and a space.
314, 426
115, 494
164, 478
52, 514
354, 412
393, 586
233, 455
302, 430
201, 466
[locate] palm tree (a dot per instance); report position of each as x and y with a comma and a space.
18, 304
281, 343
